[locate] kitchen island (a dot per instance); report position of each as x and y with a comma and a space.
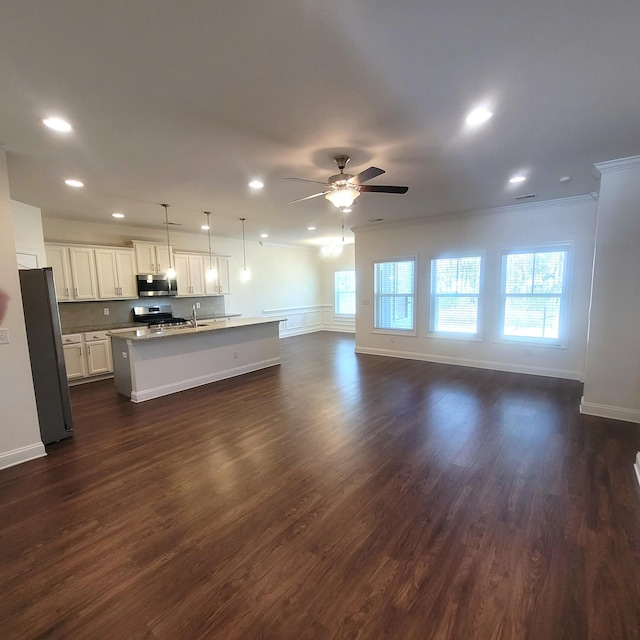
153, 362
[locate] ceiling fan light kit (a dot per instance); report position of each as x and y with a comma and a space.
343, 188
342, 197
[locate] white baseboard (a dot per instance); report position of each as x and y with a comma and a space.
299, 331
190, 383
607, 411
566, 374
336, 328
23, 454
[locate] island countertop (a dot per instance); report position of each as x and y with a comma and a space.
203, 326
150, 363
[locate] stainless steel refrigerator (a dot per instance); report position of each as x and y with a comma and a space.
44, 335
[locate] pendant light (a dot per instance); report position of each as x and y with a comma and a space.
244, 274
171, 272
212, 273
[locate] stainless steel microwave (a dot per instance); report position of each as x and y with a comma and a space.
156, 284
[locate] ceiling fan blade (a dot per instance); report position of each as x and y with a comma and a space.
380, 188
367, 174
315, 195
303, 180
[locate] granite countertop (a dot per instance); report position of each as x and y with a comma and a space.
135, 325
204, 326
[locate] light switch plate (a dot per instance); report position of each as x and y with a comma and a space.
4, 336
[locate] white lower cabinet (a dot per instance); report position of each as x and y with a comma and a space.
98, 350
87, 354
74, 356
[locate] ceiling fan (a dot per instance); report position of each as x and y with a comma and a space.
343, 188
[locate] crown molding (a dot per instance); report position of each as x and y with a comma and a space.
633, 162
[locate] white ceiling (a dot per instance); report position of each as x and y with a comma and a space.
185, 102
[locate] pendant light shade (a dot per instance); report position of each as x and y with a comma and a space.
212, 273
171, 272
245, 273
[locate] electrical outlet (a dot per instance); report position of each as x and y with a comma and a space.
197, 305
124, 355
105, 311
236, 354
4, 336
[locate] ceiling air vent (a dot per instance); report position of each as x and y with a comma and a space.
526, 197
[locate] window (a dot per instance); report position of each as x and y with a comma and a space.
455, 294
394, 295
345, 291
533, 295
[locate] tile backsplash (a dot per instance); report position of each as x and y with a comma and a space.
83, 315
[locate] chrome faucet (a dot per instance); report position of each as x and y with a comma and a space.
194, 319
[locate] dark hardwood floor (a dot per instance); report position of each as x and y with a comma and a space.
335, 496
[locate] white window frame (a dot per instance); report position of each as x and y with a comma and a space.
336, 292
562, 340
457, 335
396, 331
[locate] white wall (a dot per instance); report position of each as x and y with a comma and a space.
27, 224
612, 380
19, 427
570, 220
281, 276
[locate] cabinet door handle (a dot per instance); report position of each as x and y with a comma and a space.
75, 292
66, 291
89, 348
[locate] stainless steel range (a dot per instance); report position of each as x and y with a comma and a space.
158, 316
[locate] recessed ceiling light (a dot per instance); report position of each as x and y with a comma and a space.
264, 235
517, 179
311, 228
478, 116
205, 227
118, 215
256, 184
57, 124
74, 183
565, 179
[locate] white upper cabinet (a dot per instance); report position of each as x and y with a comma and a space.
115, 270
190, 274
220, 283
83, 273
109, 273
152, 258
74, 271
58, 260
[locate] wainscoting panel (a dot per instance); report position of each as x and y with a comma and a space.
299, 320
